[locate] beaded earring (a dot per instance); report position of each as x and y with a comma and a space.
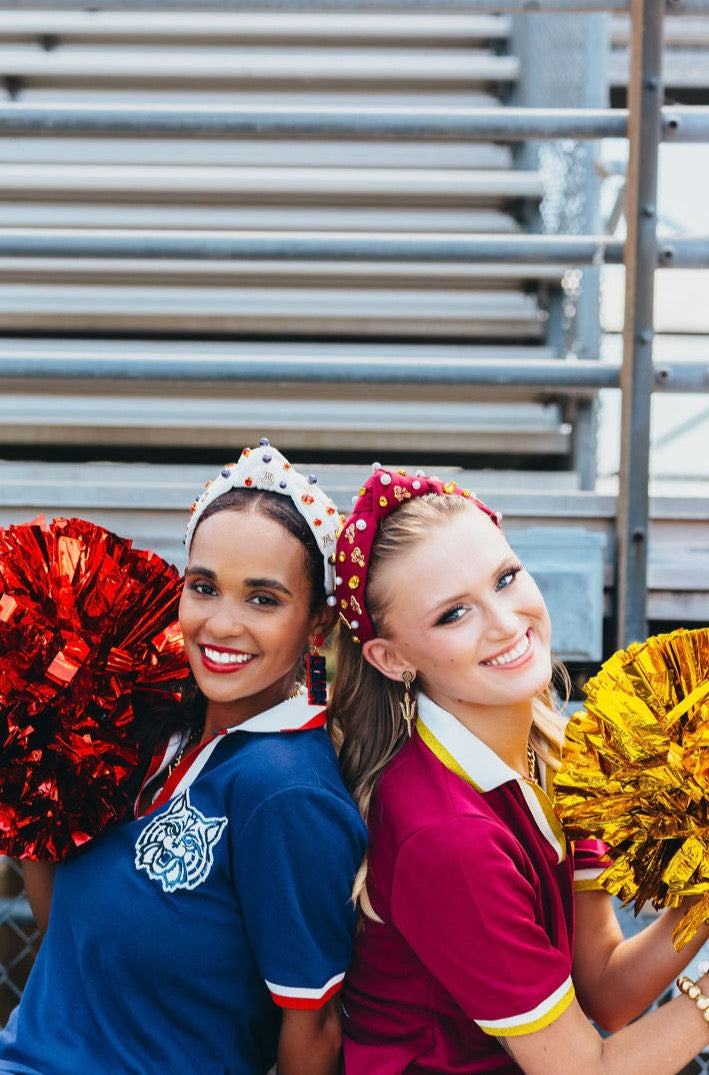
315, 674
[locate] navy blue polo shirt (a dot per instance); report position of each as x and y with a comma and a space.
177, 937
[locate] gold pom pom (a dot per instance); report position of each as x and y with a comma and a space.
635, 773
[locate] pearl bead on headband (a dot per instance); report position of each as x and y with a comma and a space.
265, 468
382, 493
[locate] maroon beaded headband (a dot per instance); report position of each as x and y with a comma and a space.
383, 492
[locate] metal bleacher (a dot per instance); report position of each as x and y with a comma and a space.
174, 359
364, 186
686, 48
132, 366
127, 369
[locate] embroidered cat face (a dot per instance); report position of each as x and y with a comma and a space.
176, 848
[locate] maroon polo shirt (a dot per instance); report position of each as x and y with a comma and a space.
469, 872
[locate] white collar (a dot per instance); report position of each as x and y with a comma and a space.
292, 715
464, 754
481, 764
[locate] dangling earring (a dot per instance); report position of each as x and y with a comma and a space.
315, 675
408, 706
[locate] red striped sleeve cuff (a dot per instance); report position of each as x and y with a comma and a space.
293, 996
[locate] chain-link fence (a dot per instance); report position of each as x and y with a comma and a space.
19, 939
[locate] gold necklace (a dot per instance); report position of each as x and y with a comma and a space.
531, 762
191, 739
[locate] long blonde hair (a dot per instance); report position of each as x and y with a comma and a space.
364, 709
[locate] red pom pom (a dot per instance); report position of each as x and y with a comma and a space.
86, 620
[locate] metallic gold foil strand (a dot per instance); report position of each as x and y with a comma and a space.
635, 772
696, 916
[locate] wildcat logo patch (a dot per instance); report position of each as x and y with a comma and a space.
176, 848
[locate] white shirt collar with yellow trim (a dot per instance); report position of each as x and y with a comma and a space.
479, 761
487, 771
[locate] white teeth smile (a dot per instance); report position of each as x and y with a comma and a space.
217, 656
512, 654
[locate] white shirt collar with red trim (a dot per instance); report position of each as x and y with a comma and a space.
293, 715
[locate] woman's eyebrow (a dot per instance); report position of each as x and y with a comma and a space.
268, 584
196, 569
251, 584
445, 603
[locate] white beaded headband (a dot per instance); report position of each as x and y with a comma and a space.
267, 469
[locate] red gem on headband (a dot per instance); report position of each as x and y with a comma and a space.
383, 492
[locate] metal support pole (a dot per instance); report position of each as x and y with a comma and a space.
644, 127
317, 246
458, 6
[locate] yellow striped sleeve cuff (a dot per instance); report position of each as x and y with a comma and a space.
588, 880
536, 1019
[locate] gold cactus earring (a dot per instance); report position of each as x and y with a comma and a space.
408, 706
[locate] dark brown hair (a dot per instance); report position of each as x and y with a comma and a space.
188, 711
282, 510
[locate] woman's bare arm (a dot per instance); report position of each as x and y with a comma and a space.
310, 1042
39, 883
661, 1043
617, 979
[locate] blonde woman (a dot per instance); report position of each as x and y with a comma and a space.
474, 954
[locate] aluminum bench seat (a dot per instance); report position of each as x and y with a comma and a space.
284, 311
201, 27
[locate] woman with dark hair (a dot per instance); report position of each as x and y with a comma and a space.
211, 932
475, 954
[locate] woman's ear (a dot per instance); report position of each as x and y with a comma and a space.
323, 621
382, 656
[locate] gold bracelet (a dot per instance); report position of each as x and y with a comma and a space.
692, 990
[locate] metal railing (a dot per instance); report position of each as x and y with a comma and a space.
679, 124
645, 123
266, 246
675, 7
545, 375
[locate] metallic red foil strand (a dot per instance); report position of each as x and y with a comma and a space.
87, 622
